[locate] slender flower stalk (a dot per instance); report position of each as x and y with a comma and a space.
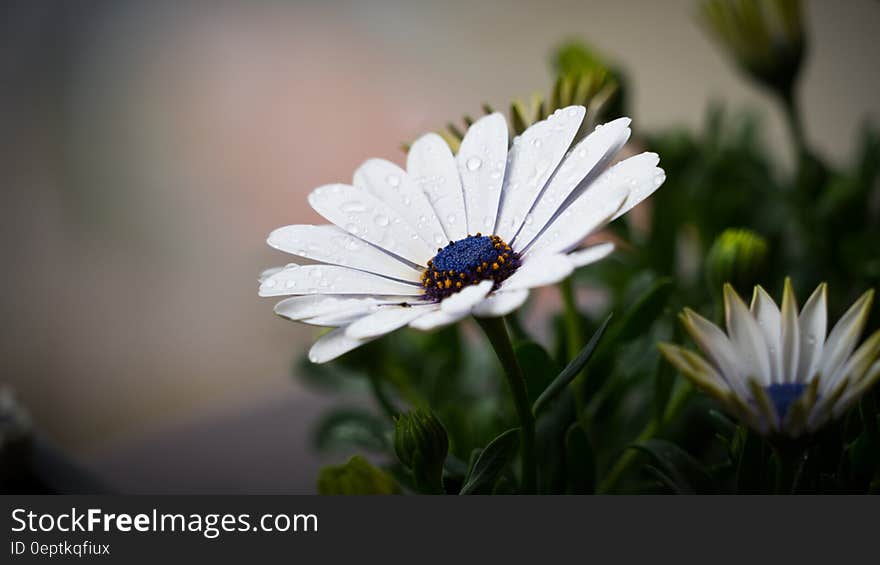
496, 331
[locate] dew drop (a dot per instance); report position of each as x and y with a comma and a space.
270, 283
393, 180
450, 218
474, 163
352, 228
290, 283
353, 207
381, 220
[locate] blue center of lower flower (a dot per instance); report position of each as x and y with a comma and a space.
466, 262
783, 395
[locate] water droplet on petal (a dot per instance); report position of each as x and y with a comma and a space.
353, 207
381, 220
474, 163
393, 180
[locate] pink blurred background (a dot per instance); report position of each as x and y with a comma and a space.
149, 147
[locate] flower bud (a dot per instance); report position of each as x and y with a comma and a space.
738, 257
421, 444
764, 37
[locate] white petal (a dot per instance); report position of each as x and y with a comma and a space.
719, 350
332, 345
583, 257
574, 224
385, 319
432, 167
341, 318
766, 312
393, 186
268, 273
313, 305
535, 155
481, 162
855, 390
539, 270
436, 319
843, 337
813, 325
746, 336
363, 215
583, 164
466, 298
500, 303
636, 174
330, 279
790, 335
335, 246
641, 186
856, 366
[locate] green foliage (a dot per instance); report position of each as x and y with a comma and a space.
357, 476
491, 462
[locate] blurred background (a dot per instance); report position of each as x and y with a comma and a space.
148, 148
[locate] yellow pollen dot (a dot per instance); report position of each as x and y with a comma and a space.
447, 283
458, 284
439, 284
462, 276
501, 258
495, 266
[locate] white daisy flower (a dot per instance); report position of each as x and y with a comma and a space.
454, 235
777, 370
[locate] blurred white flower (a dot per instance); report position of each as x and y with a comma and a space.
776, 369
455, 235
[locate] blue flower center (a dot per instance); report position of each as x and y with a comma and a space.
466, 262
783, 395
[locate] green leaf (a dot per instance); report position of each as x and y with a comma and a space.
537, 366
572, 370
357, 476
580, 461
491, 463
646, 309
551, 426
348, 428
687, 475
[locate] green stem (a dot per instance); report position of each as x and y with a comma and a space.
787, 463
496, 331
572, 319
795, 124
574, 342
651, 429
